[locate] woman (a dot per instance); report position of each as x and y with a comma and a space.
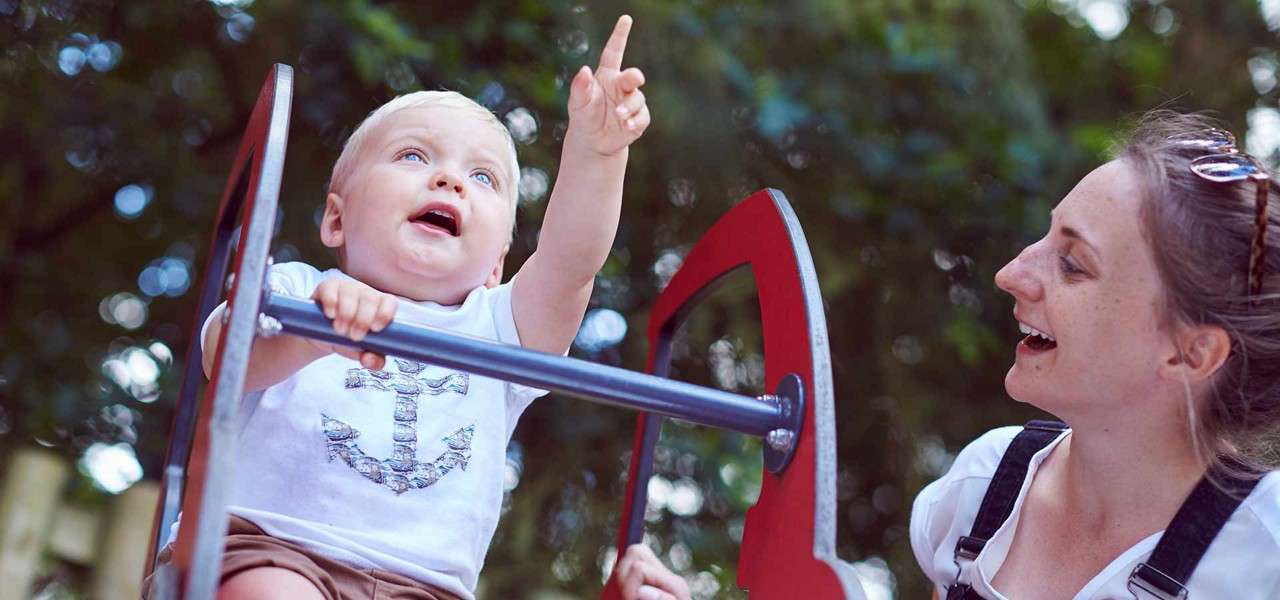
1152, 308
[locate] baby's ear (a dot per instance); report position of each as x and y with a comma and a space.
495, 276
331, 224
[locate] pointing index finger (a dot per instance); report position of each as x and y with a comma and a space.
611, 56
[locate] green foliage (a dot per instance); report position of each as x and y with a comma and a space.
922, 143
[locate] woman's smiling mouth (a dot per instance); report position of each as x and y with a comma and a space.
1036, 341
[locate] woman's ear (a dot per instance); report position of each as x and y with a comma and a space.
1197, 353
331, 232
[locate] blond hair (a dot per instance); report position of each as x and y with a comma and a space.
344, 168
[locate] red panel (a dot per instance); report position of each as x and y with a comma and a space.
250, 155
777, 555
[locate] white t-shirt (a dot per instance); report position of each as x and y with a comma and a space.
400, 469
1242, 563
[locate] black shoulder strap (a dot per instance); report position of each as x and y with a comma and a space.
1189, 535
1001, 495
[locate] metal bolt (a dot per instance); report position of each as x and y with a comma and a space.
269, 327
780, 439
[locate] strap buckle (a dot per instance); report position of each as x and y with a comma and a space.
1156, 584
968, 548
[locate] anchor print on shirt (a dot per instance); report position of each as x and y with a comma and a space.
402, 471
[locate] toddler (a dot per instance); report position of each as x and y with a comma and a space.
359, 476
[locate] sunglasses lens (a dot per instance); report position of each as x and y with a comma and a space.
1212, 140
1224, 167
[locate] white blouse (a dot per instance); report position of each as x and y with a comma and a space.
1243, 562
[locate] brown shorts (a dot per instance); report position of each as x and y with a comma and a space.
248, 547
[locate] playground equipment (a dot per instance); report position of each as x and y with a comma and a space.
788, 547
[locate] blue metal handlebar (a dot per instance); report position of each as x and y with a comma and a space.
583, 379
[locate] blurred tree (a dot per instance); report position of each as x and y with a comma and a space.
922, 143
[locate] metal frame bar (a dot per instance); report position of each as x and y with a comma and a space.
579, 378
202, 444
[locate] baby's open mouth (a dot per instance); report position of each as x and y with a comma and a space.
1036, 339
439, 218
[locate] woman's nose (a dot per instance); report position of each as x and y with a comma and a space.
445, 179
1020, 277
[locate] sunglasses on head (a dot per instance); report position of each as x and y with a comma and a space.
1227, 164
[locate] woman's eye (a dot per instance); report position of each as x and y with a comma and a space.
1068, 267
483, 178
414, 156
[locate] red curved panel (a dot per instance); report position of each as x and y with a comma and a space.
199, 455
788, 546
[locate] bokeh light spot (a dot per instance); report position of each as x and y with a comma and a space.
533, 184
135, 371
1263, 137
123, 309
522, 125
112, 467
131, 200
161, 352
239, 26
168, 276
71, 60
103, 56
1107, 18
601, 328
491, 96
574, 43
685, 499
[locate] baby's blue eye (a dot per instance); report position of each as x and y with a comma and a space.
483, 177
413, 156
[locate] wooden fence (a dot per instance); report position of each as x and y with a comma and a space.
35, 523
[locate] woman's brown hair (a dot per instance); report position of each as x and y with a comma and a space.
1201, 233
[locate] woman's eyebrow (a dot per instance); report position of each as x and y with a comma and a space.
1073, 233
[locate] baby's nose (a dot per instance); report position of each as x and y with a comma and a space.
446, 180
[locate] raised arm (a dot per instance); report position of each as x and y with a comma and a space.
607, 112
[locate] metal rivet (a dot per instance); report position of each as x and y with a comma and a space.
268, 326
780, 439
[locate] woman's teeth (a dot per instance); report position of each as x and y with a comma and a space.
1029, 330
